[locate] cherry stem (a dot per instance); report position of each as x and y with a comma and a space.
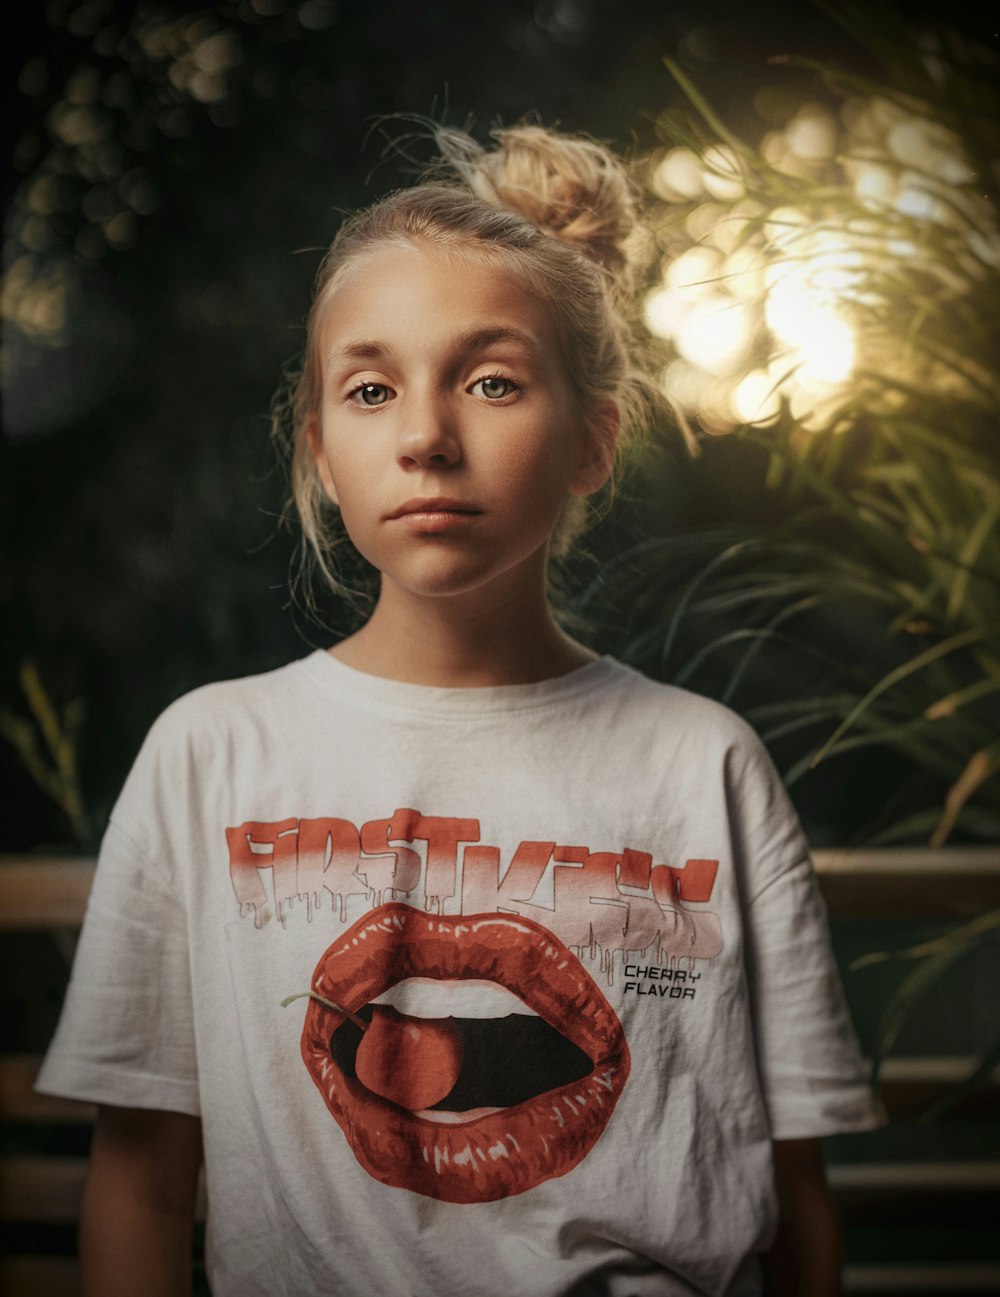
314, 995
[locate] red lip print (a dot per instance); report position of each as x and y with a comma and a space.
503, 1152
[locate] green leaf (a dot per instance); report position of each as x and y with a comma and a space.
954, 1094
958, 939
915, 664
705, 109
969, 553
975, 821
741, 548
785, 614
959, 698
943, 953
981, 766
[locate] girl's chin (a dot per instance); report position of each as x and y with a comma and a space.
467, 579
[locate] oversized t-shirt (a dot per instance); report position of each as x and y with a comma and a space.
476, 991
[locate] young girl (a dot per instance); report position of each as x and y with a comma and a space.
471, 963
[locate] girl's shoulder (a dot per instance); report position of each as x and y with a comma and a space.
211, 710
212, 734
665, 703
668, 721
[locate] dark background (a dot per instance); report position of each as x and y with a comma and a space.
174, 175
196, 161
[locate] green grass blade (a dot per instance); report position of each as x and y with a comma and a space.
953, 702
915, 664
956, 1093
705, 109
969, 553
908, 995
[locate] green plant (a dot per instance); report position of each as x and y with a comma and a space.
931, 960
830, 295
53, 767
827, 297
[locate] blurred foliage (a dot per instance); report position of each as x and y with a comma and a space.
52, 767
177, 171
932, 961
829, 296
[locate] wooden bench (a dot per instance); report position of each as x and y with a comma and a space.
40, 1186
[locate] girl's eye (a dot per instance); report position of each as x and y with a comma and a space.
494, 387
370, 394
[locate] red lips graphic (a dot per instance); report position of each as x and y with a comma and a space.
505, 1151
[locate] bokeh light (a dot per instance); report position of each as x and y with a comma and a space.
778, 269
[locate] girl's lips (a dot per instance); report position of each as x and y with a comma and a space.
433, 504
437, 520
434, 514
497, 1153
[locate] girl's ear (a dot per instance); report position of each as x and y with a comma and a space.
314, 440
597, 450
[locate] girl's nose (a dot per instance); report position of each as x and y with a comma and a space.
429, 438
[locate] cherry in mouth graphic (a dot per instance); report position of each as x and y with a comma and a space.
462, 1108
414, 1062
455, 1066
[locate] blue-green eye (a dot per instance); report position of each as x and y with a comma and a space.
495, 387
371, 394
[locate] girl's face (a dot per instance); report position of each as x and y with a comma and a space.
448, 432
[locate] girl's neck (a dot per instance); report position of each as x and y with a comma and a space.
458, 643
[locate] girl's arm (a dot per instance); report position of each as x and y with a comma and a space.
805, 1258
137, 1216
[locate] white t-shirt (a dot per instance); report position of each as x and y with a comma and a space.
569, 968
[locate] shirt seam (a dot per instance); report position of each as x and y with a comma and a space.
462, 714
150, 863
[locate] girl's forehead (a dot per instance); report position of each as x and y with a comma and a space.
401, 286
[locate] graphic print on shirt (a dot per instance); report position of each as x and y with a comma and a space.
611, 903
452, 1030
462, 1109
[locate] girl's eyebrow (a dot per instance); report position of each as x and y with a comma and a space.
360, 350
463, 344
479, 339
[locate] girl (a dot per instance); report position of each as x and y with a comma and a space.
474, 963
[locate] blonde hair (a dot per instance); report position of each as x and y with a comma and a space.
554, 211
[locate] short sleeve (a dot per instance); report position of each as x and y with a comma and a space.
126, 1034
811, 1071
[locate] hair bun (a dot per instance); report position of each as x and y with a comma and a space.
569, 186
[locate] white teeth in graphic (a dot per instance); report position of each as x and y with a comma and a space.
455, 1118
425, 997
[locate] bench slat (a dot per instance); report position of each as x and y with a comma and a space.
908, 1085
39, 1276
40, 892
36, 1189
30, 1276
915, 1177
19, 1102
909, 882
41, 1189
909, 1280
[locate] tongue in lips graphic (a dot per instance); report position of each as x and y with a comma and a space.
454, 1108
